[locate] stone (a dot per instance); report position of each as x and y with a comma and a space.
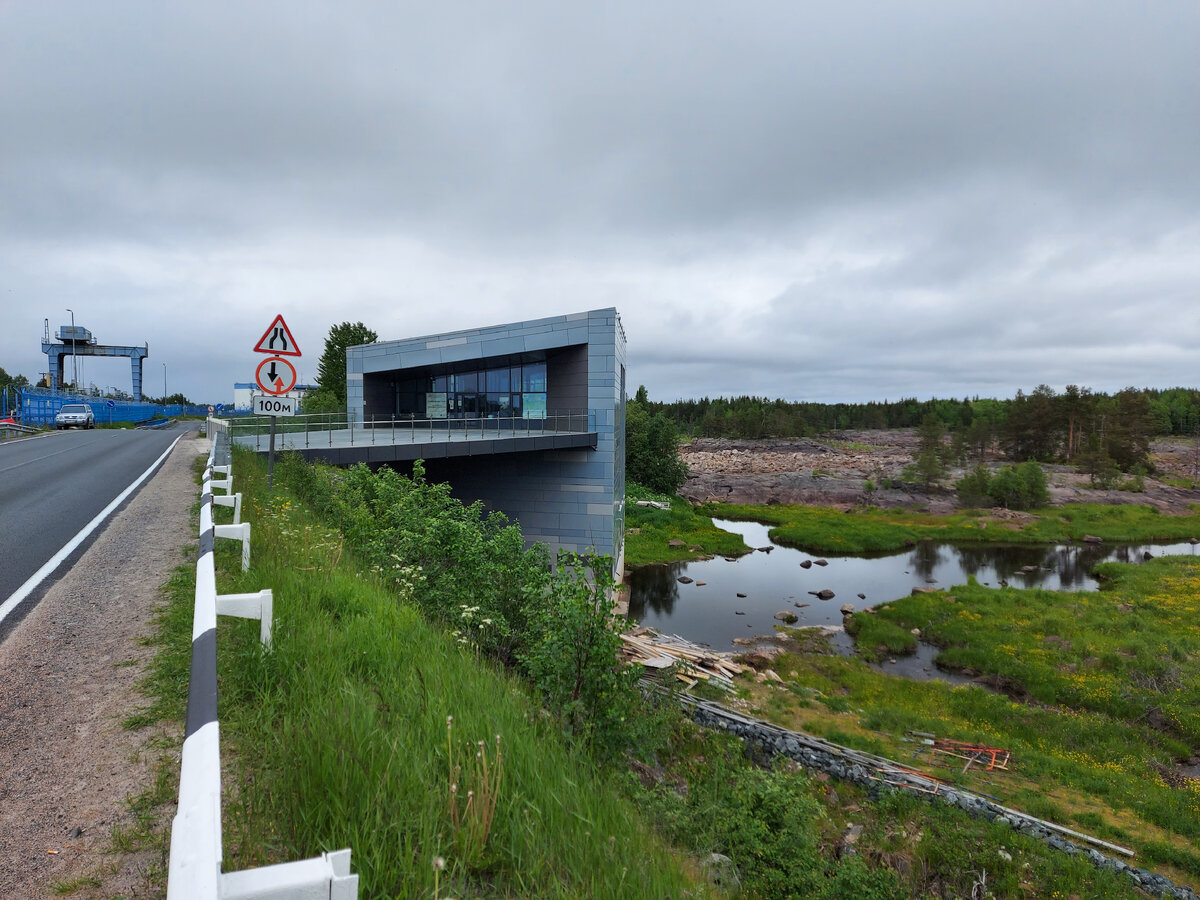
765, 549
916, 632
786, 616
676, 542
1092, 539
807, 564
820, 562
701, 583
720, 871
847, 609
739, 612
862, 596
683, 579
741, 595
923, 590
823, 594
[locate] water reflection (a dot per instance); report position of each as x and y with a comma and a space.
713, 613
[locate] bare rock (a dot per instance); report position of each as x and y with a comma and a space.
807, 564
786, 616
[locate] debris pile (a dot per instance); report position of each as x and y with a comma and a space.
692, 662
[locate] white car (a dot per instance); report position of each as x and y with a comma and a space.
73, 414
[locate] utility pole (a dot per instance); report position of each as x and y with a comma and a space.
74, 358
164, 383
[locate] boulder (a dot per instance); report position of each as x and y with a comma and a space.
721, 872
923, 590
823, 594
862, 596
683, 579
787, 616
676, 542
1092, 539
847, 609
807, 564
820, 562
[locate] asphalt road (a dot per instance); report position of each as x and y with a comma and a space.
53, 485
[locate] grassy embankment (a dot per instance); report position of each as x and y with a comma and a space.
339, 738
350, 732
822, 530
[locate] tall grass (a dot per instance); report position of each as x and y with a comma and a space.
338, 736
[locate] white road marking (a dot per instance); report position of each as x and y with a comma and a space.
15, 598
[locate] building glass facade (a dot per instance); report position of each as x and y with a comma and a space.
496, 391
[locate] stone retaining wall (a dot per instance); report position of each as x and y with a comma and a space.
878, 773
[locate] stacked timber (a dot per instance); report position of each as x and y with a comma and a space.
692, 663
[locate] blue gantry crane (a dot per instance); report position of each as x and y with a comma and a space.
75, 340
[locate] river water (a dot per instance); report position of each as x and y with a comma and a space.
709, 610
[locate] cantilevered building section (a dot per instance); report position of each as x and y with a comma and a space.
528, 417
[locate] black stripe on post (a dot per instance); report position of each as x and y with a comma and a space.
207, 541
202, 688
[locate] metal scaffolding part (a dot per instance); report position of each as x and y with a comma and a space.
75, 340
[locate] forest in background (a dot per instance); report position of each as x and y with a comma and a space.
1042, 425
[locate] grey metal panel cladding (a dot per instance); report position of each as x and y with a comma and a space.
567, 378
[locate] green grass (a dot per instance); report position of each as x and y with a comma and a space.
1101, 697
339, 737
821, 530
648, 530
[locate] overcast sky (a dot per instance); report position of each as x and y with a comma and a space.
835, 201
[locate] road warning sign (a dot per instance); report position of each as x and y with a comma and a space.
277, 340
275, 375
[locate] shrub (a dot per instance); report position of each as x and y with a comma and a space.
1013, 487
972, 488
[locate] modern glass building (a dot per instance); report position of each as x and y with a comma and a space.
528, 417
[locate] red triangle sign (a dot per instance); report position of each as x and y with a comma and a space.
277, 340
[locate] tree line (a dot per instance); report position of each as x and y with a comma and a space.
1099, 432
1172, 411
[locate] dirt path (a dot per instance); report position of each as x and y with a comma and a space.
831, 471
68, 677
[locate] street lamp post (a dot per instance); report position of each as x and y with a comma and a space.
74, 358
164, 384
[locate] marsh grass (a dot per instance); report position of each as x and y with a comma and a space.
871, 530
1099, 697
338, 739
647, 531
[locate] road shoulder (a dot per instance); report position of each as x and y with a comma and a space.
68, 677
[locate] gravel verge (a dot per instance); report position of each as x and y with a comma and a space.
69, 675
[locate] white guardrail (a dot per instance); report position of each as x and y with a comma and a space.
195, 862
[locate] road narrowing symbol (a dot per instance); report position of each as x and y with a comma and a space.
275, 375
277, 340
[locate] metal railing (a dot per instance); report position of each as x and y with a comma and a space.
195, 859
304, 432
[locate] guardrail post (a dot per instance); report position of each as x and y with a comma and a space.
239, 532
258, 605
234, 500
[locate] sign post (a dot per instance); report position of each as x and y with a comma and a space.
275, 376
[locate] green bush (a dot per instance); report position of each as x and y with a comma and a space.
471, 571
570, 654
973, 488
1013, 487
